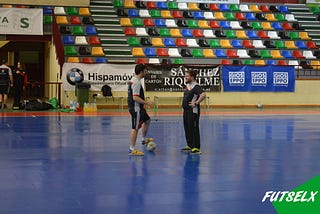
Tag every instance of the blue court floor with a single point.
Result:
(80, 164)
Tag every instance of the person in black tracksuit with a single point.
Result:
(19, 75)
(192, 98)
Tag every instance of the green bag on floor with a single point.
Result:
(54, 102)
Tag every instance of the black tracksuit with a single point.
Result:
(191, 115)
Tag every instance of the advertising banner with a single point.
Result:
(97, 75)
(21, 21)
(258, 78)
(171, 77)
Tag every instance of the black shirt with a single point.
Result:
(191, 94)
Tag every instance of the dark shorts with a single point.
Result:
(4, 89)
(138, 118)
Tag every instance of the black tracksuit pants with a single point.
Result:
(191, 128)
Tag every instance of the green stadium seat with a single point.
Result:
(265, 54)
(197, 53)
(192, 23)
(172, 5)
(315, 10)
(279, 44)
(133, 41)
(234, 7)
(249, 62)
(215, 43)
(70, 51)
(229, 16)
(47, 19)
(118, 3)
(164, 32)
(77, 30)
(155, 13)
(231, 34)
(137, 22)
(280, 17)
(178, 61)
(72, 11)
(294, 35)
(256, 26)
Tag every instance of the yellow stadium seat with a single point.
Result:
(129, 4)
(219, 16)
(290, 45)
(97, 51)
(125, 22)
(193, 6)
(175, 32)
(62, 20)
(84, 11)
(157, 42)
(208, 53)
(137, 52)
(225, 43)
(266, 26)
(203, 24)
(7, 6)
(270, 17)
(166, 14)
(73, 59)
(259, 62)
(276, 54)
(254, 8)
(304, 35)
(315, 64)
(241, 34)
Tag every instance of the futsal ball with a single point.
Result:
(259, 105)
(149, 140)
(151, 146)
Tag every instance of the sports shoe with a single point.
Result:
(186, 149)
(195, 151)
(136, 152)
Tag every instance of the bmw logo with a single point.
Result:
(74, 76)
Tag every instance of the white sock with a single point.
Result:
(131, 148)
(143, 139)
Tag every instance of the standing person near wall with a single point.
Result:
(192, 98)
(136, 102)
(20, 80)
(6, 81)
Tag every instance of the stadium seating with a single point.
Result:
(250, 33)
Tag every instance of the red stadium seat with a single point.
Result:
(197, 33)
(75, 20)
(141, 61)
(214, 24)
(148, 22)
(162, 52)
(247, 44)
(94, 40)
(129, 31)
(151, 5)
(214, 7)
(263, 34)
(282, 62)
(232, 53)
(87, 60)
(176, 14)
(181, 42)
